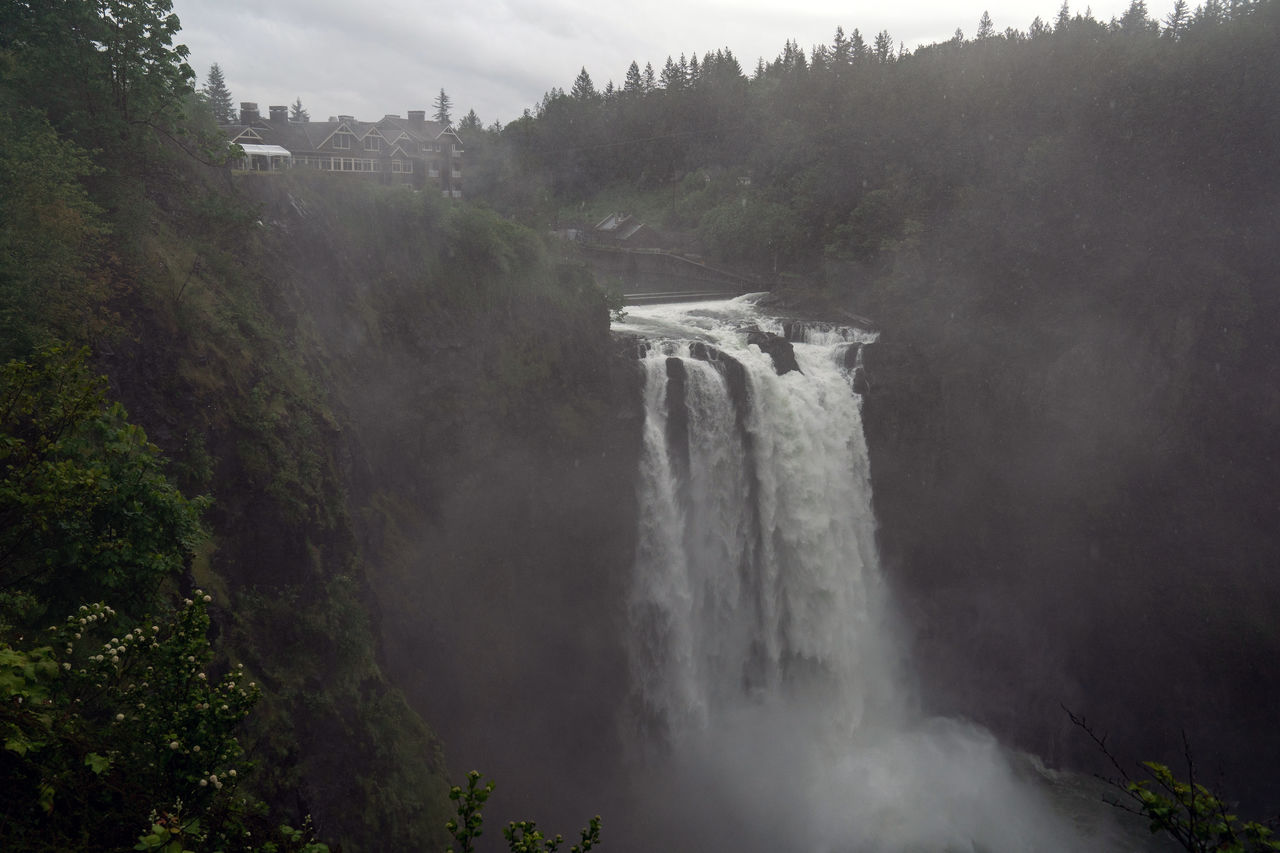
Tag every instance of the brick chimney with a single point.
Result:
(280, 114)
(248, 112)
(417, 115)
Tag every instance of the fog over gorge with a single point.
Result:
(865, 442)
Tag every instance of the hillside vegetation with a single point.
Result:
(272, 344)
(1067, 236)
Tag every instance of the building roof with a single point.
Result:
(269, 150)
(306, 136)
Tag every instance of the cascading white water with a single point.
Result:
(770, 695)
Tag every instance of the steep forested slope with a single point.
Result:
(325, 361)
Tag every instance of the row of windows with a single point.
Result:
(374, 143)
(351, 164)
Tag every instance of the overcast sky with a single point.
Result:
(498, 57)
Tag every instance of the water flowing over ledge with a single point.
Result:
(770, 699)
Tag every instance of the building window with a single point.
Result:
(372, 143)
(342, 140)
(457, 173)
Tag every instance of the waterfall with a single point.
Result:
(771, 706)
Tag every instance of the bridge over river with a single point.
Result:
(656, 275)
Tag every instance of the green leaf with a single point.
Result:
(97, 763)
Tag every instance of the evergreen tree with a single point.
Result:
(840, 48)
(650, 79)
(297, 113)
(857, 46)
(218, 97)
(1064, 18)
(633, 82)
(583, 89)
(672, 78)
(470, 122)
(1135, 20)
(986, 29)
(442, 105)
(1176, 22)
(883, 48)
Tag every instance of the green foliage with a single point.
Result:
(525, 837)
(754, 231)
(1186, 811)
(468, 826)
(102, 724)
(50, 235)
(521, 836)
(85, 507)
(103, 71)
(1194, 816)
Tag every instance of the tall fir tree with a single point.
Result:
(633, 83)
(297, 113)
(1176, 22)
(986, 29)
(218, 96)
(442, 105)
(583, 89)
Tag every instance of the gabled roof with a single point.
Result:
(408, 136)
(335, 128)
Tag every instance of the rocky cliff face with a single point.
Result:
(1070, 509)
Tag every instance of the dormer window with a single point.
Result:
(342, 140)
(372, 143)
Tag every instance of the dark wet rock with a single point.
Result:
(778, 348)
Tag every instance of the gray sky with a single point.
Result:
(499, 56)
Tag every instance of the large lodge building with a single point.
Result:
(413, 151)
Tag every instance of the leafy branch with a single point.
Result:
(1187, 811)
(521, 836)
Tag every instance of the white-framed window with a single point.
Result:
(342, 140)
(457, 173)
(372, 143)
